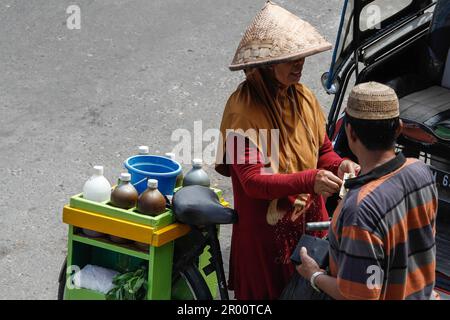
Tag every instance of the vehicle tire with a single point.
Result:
(62, 280)
(189, 284)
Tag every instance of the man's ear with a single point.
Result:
(350, 132)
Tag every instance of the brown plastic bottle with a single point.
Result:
(124, 195)
(151, 202)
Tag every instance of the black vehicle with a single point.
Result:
(405, 45)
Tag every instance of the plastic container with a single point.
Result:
(196, 176)
(180, 177)
(97, 189)
(151, 202)
(144, 167)
(125, 194)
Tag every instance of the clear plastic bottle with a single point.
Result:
(97, 189)
(125, 194)
(151, 202)
(196, 176)
(180, 177)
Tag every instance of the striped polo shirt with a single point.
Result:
(382, 234)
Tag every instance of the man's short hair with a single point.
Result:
(375, 135)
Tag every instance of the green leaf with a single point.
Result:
(138, 284)
(129, 286)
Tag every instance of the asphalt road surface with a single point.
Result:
(70, 99)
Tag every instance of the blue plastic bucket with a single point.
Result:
(144, 167)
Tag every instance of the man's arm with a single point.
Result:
(361, 252)
(330, 160)
(329, 285)
(324, 282)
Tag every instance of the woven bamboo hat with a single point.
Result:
(274, 36)
(372, 101)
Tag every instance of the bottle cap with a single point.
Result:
(125, 176)
(197, 163)
(152, 183)
(170, 155)
(98, 170)
(144, 150)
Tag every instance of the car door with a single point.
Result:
(369, 30)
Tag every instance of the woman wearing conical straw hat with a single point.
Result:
(279, 186)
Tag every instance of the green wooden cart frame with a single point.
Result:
(160, 233)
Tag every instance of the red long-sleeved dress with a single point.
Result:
(257, 270)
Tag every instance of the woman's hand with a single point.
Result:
(326, 183)
(348, 166)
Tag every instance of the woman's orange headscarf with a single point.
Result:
(261, 102)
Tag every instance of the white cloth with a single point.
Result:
(95, 278)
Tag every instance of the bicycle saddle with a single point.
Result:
(198, 205)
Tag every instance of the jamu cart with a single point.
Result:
(168, 243)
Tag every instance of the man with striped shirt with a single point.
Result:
(382, 235)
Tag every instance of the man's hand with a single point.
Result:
(308, 266)
(326, 183)
(348, 166)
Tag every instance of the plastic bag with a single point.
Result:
(95, 278)
(298, 288)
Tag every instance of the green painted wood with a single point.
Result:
(105, 244)
(70, 245)
(218, 192)
(211, 279)
(132, 215)
(69, 259)
(160, 272)
(84, 294)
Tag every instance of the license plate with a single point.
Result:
(442, 179)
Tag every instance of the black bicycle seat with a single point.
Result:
(198, 205)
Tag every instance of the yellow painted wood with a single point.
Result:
(225, 203)
(169, 233)
(124, 229)
(108, 225)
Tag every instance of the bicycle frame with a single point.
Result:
(210, 239)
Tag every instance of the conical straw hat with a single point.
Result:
(274, 36)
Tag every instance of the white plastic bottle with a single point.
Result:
(97, 189)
